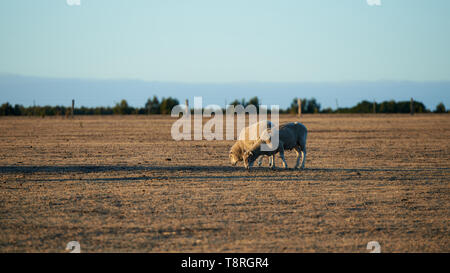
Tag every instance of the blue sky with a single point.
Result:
(212, 41)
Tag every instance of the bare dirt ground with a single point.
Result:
(121, 184)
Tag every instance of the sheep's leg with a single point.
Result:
(303, 157)
(282, 156)
(260, 160)
(299, 153)
(272, 161)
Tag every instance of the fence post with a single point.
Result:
(299, 103)
(374, 107)
(73, 107)
(187, 107)
(412, 106)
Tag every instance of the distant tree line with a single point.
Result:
(390, 107)
(164, 106)
(152, 106)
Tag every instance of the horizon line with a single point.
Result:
(2, 74)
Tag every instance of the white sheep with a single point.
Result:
(247, 139)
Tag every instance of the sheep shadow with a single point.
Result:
(194, 173)
(190, 168)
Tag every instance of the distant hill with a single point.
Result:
(94, 92)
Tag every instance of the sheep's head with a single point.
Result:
(234, 159)
(249, 159)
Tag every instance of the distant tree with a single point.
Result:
(6, 109)
(420, 107)
(98, 111)
(363, 107)
(440, 108)
(312, 106)
(235, 103)
(293, 108)
(254, 101)
(19, 110)
(152, 106)
(404, 107)
(47, 111)
(388, 107)
(122, 108)
(103, 111)
(167, 105)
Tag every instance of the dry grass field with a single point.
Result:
(121, 184)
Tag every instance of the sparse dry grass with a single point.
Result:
(108, 183)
